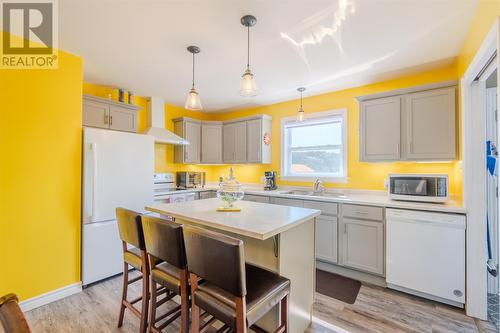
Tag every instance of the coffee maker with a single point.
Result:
(270, 177)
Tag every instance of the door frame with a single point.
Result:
(474, 174)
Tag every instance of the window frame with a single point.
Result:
(312, 118)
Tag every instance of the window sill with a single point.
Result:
(340, 180)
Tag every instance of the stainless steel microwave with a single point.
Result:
(418, 187)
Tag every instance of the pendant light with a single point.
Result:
(300, 114)
(193, 100)
(248, 87)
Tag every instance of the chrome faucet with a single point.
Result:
(318, 186)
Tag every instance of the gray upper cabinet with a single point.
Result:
(244, 140)
(190, 130)
(380, 136)
(105, 113)
(211, 142)
(235, 142)
(412, 124)
(430, 125)
(254, 145)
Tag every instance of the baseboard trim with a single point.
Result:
(51, 296)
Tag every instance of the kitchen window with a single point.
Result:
(315, 147)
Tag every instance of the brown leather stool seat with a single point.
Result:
(133, 257)
(168, 276)
(265, 289)
(168, 268)
(233, 292)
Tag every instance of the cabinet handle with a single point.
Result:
(111, 120)
(345, 228)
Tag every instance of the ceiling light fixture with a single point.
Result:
(193, 100)
(300, 114)
(248, 87)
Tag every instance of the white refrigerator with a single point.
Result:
(118, 171)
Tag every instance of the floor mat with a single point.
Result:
(342, 288)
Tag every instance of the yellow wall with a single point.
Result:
(486, 14)
(40, 141)
(360, 175)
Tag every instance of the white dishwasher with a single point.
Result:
(425, 254)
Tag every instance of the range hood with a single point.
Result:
(156, 121)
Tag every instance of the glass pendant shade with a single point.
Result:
(193, 100)
(300, 115)
(248, 87)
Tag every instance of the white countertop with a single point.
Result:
(256, 220)
(360, 197)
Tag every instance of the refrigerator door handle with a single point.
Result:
(93, 147)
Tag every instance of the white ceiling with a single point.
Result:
(322, 45)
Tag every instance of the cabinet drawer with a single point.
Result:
(363, 212)
(327, 208)
(288, 202)
(256, 198)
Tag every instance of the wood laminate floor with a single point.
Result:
(375, 310)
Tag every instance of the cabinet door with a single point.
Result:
(228, 145)
(431, 125)
(122, 119)
(254, 141)
(380, 125)
(207, 195)
(192, 134)
(288, 202)
(211, 143)
(362, 245)
(326, 238)
(95, 114)
(256, 198)
(240, 142)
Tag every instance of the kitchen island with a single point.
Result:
(278, 238)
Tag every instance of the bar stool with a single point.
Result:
(11, 316)
(165, 242)
(235, 293)
(130, 228)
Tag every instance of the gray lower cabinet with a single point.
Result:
(362, 245)
(207, 195)
(105, 113)
(287, 202)
(256, 198)
(326, 238)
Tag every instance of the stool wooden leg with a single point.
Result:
(145, 294)
(184, 301)
(195, 310)
(241, 315)
(284, 313)
(124, 294)
(152, 312)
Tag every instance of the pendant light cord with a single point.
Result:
(248, 47)
(193, 72)
(301, 100)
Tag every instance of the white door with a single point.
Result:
(118, 171)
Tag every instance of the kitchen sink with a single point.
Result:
(314, 194)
